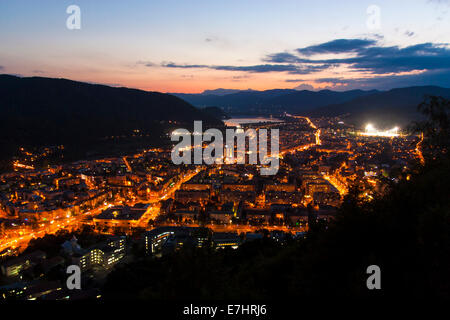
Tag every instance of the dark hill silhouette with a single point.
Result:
(393, 107)
(216, 112)
(44, 111)
(272, 101)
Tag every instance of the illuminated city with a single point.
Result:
(235, 159)
(144, 192)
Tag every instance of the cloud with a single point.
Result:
(373, 58)
(146, 63)
(261, 68)
(434, 77)
(239, 78)
(379, 59)
(376, 64)
(337, 46)
(182, 66)
(283, 57)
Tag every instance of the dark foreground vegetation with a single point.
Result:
(405, 231)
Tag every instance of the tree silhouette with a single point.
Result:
(436, 128)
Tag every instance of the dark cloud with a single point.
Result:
(261, 68)
(294, 80)
(434, 77)
(337, 46)
(366, 55)
(394, 59)
(239, 78)
(1, 67)
(374, 58)
(409, 33)
(283, 57)
(182, 66)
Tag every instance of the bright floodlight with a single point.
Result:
(371, 131)
(370, 127)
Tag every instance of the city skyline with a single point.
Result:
(197, 46)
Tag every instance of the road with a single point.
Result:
(73, 223)
(153, 212)
(127, 164)
(51, 227)
(419, 151)
(304, 147)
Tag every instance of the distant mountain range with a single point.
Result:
(222, 92)
(270, 101)
(393, 107)
(43, 111)
(241, 102)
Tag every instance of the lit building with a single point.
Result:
(175, 237)
(223, 240)
(106, 254)
(15, 266)
(154, 239)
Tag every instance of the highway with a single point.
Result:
(304, 147)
